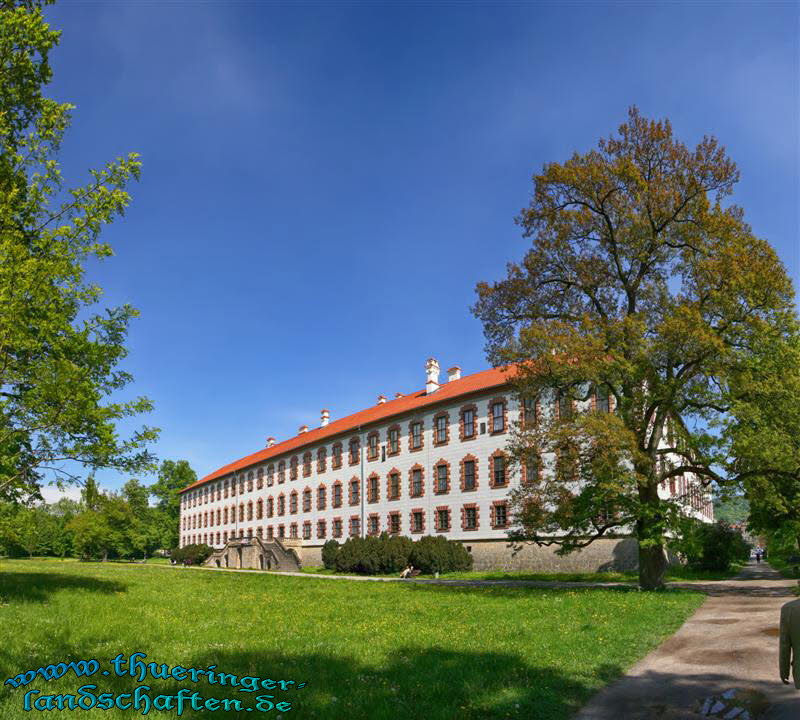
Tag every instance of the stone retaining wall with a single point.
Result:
(604, 555)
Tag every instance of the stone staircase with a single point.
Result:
(256, 554)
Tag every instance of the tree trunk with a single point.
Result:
(652, 566)
(105, 555)
(650, 533)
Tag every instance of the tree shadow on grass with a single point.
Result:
(429, 683)
(413, 684)
(39, 586)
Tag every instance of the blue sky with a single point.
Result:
(324, 183)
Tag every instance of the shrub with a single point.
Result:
(329, 552)
(432, 554)
(192, 554)
(359, 555)
(391, 553)
(712, 547)
(395, 552)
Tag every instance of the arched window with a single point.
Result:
(293, 502)
(322, 459)
(373, 440)
(336, 501)
(260, 478)
(497, 416)
(293, 468)
(259, 509)
(373, 488)
(354, 491)
(321, 496)
(282, 471)
(306, 464)
(354, 447)
(307, 500)
(441, 429)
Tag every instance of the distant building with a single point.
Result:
(430, 463)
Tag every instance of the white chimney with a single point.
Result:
(303, 429)
(324, 418)
(454, 373)
(432, 376)
(270, 441)
(381, 399)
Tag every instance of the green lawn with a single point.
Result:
(365, 649)
(674, 573)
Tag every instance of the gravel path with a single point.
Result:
(730, 642)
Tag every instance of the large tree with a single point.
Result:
(644, 283)
(60, 379)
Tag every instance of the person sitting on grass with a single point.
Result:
(406, 573)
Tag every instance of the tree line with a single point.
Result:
(135, 522)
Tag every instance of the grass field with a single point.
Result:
(365, 650)
(674, 573)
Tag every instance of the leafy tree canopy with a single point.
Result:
(173, 476)
(59, 357)
(644, 283)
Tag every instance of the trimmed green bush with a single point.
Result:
(386, 554)
(191, 554)
(432, 554)
(329, 552)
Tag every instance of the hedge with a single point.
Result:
(387, 554)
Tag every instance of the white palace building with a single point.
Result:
(431, 462)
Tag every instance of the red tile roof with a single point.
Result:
(494, 377)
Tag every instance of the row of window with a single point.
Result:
(468, 424)
(469, 427)
(468, 471)
(442, 521)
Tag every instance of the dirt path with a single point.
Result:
(730, 642)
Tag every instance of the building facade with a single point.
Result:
(428, 463)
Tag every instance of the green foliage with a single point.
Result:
(432, 554)
(173, 476)
(329, 552)
(766, 437)
(644, 283)
(195, 554)
(91, 535)
(733, 510)
(388, 554)
(60, 357)
(40, 530)
(103, 525)
(711, 547)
